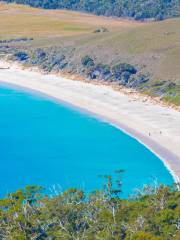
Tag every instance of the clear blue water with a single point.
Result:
(46, 143)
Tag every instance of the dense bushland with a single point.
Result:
(137, 9)
(123, 74)
(152, 214)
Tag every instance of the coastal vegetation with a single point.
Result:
(151, 214)
(139, 10)
(95, 48)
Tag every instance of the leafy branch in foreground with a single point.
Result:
(152, 214)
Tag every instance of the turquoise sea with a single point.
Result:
(46, 143)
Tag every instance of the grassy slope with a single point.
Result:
(153, 48)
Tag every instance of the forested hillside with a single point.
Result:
(137, 9)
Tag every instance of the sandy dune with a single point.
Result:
(156, 126)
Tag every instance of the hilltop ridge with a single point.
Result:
(139, 9)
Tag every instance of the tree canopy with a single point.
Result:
(152, 214)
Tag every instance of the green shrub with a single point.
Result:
(87, 61)
(124, 67)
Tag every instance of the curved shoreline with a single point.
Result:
(170, 159)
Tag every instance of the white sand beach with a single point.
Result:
(154, 125)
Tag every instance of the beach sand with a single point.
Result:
(154, 125)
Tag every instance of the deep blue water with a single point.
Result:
(46, 143)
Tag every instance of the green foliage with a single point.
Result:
(51, 59)
(145, 236)
(153, 214)
(87, 61)
(124, 67)
(167, 90)
(139, 9)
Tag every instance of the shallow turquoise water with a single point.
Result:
(46, 143)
